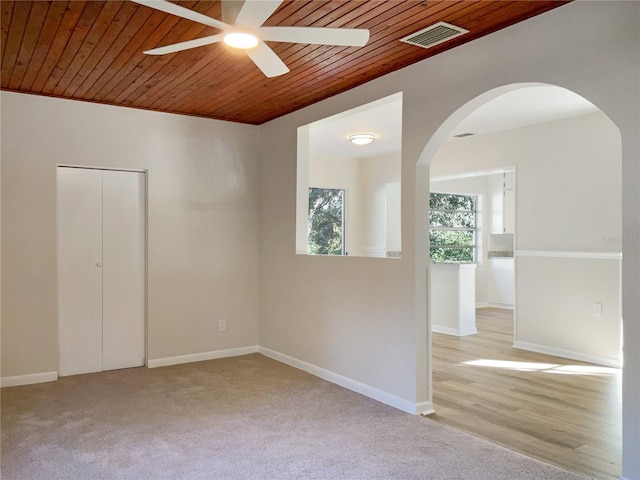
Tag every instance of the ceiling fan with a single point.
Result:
(246, 32)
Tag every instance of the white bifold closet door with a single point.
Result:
(101, 270)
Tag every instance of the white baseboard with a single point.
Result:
(482, 304)
(349, 384)
(425, 408)
(202, 356)
(453, 331)
(158, 362)
(422, 408)
(558, 352)
(28, 379)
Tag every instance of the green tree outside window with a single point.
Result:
(326, 221)
(453, 230)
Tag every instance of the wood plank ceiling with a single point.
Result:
(92, 51)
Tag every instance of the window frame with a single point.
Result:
(475, 230)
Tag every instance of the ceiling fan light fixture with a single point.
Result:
(362, 138)
(247, 32)
(241, 40)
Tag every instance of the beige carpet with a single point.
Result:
(238, 418)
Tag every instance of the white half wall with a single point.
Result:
(452, 299)
(554, 306)
(202, 223)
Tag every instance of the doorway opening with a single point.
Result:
(556, 217)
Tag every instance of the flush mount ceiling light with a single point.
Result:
(362, 138)
(242, 40)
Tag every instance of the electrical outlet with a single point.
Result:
(222, 325)
(597, 309)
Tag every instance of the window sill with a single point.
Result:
(455, 263)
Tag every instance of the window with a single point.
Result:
(453, 228)
(326, 221)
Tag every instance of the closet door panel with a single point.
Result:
(79, 270)
(123, 305)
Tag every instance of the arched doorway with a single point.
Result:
(559, 250)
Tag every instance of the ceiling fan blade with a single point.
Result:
(267, 60)
(182, 12)
(255, 12)
(178, 47)
(350, 37)
(230, 10)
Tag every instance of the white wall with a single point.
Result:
(554, 307)
(393, 208)
(375, 173)
(366, 319)
(569, 196)
(572, 163)
(473, 186)
(202, 223)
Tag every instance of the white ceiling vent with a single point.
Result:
(434, 35)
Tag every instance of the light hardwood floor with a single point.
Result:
(561, 411)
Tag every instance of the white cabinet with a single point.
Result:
(502, 192)
(101, 270)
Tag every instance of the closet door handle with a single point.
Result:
(99, 264)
